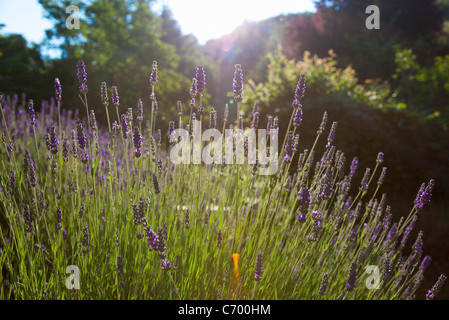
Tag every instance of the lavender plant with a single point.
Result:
(90, 199)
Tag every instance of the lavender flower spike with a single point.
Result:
(58, 90)
(299, 92)
(431, 294)
(200, 79)
(238, 83)
(82, 76)
(115, 97)
(153, 75)
(258, 272)
(137, 140)
(323, 285)
(350, 285)
(30, 111)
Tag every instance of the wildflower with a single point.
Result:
(219, 239)
(213, 118)
(82, 141)
(304, 201)
(297, 117)
(82, 77)
(299, 92)
(27, 219)
(432, 293)
(382, 176)
(425, 262)
(120, 267)
(165, 265)
(364, 183)
(323, 286)
(408, 231)
(58, 90)
(51, 140)
(323, 124)
(187, 219)
(238, 83)
(104, 94)
(331, 137)
(258, 272)
(380, 157)
(153, 75)
(12, 184)
(353, 167)
(350, 285)
(115, 98)
(84, 157)
(117, 238)
(200, 79)
(193, 92)
(86, 240)
(58, 217)
(31, 113)
(156, 184)
(65, 148)
(125, 126)
(137, 140)
(200, 110)
(82, 210)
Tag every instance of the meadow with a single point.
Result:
(101, 212)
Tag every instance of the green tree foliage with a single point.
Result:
(425, 89)
(119, 40)
(340, 25)
(21, 67)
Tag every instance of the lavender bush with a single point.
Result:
(109, 201)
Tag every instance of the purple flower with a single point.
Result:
(354, 164)
(64, 234)
(380, 157)
(323, 124)
(331, 137)
(139, 111)
(300, 88)
(350, 285)
(200, 79)
(58, 89)
(82, 76)
(258, 272)
(137, 140)
(125, 127)
(425, 262)
(304, 201)
(165, 265)
(200, 110)
(364, 183)
(104, 94)
(65, 148)
(51, 140)
(297, 117)
(58, 217)
(432, 293)
(80, 135)
(323, 285)
(153, 75)
(115, 97)
(238, 83)
(84, 157)
(424, 194)
(30, 111)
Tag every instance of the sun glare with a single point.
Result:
(207, 19)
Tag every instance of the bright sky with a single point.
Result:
(205, 19)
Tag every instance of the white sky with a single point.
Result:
(205, 19)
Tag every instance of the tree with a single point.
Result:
(21, 67)
(118, 41)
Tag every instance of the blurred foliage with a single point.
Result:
(424, 89)
(21, 67)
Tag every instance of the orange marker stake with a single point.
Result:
(235, 284)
